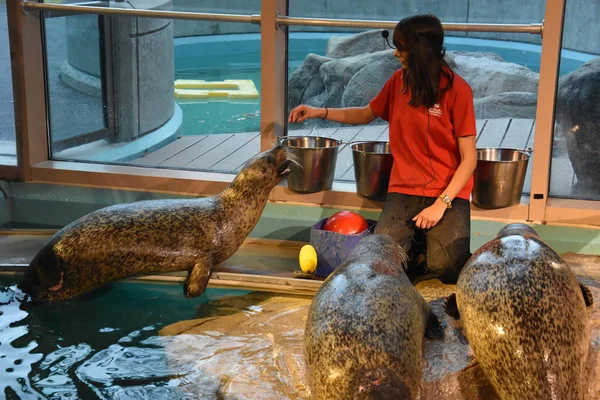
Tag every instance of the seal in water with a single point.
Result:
(365, 327)
(155, 236)
(524, 315)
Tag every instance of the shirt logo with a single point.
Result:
(435, 110)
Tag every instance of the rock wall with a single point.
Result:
(351, 74)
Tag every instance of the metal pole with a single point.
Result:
(463, 27)
(113, 11)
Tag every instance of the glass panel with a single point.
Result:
(575, 168)
(73, 75)
(192, 28)
(7, 117)
(348, 67)
(186, 100)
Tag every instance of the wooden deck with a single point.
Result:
(228, 152)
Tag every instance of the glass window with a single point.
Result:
(7, 116)
(142, 91)
(575, 165)
(74, 81)
(184, 28)
(348, 67)
(456, 11)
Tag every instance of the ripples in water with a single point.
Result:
(107, 346)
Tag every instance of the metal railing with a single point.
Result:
(132, 12)
(448, 26)
(81, 8)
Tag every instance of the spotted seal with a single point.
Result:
(524, 315)
(365, 327)
(155, 236)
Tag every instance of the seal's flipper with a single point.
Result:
(434, 329)
(587, 295)
(451, 307)
(197, 279)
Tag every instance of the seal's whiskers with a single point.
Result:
(293, 159)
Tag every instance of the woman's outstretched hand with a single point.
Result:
(304, 112)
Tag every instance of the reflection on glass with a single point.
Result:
(165, 95)
(73, 77)
(335, 68)
(7, 118)
(184, 28)
(575, 168)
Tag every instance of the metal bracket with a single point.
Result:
(277, 25)
(23, 9)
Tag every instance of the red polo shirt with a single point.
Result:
(424, 162)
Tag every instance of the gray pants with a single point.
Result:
(447, 244)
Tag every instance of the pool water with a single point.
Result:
(102, 345)
(202, 117)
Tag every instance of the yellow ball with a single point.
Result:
(308, 259)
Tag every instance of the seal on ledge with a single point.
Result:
(524, 315)
(364, 331)
(155, 236)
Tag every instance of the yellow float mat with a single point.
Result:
(230, 88)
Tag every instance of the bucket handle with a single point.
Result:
(366, 140)
(528, 150)
(282, 138)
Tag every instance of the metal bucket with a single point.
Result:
(317, 157)
(372, 167)
(499, 177)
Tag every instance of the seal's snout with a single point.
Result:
(40, 281)
(284, 169)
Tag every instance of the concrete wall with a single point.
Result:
(582, 28)
(142, 64)
(48, 205)
(144, 74)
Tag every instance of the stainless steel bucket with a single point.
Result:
(499, 177)
(372, 167)
(317, 157)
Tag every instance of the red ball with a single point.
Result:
(346, 222)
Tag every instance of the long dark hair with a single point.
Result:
(422, 37)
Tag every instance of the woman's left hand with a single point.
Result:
(430, 216)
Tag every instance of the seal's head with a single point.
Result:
(43, 281)
(384, 246)
(265, 169)
(517, 229)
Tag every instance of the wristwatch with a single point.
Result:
(446, 200)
